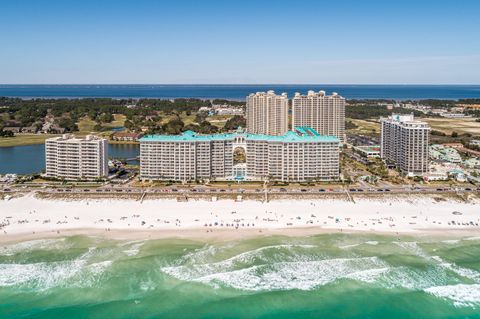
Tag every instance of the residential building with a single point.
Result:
(444, 153)
(12, 129)
(267, 113)
(74, 158)
(404, 141)
(454, 115)
(30, 129)
(324, 113)
(300, 155)
(475, 143)
(369, 151)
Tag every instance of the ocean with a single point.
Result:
(324, 276)
(239, 92)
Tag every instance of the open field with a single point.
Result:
(186, 119)
(461, 126)
(86, 125)
(219, 120)
(25, 139)
(365, 126)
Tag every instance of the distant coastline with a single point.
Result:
(237, 92)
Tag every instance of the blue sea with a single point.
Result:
(238, 92)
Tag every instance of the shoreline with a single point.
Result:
(222, 235)
(33, 217)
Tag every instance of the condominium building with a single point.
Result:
(267, 113)
(324, 113)
(73, 158)
(299, 155)
(404, 142)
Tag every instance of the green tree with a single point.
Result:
(234, 123)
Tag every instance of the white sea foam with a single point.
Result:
(303, 275)
(372, 242)
(79, 272)
(411, 278)
(369, 275)
(348, 246)
(462, 295)
(40, 275)
(451, 241)
(413, 247)
(464, 272)
(206, 254)
(57, 243)
(134, 249)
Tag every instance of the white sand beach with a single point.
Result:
(32, 217)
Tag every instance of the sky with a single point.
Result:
(239, 42)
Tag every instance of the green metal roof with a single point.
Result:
(301, 134)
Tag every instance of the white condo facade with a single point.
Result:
(267, 113)
(73, 158)
(324, 113)
(404, 141)
(300, 155)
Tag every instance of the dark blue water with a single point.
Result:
(30, 159)
(238, 92)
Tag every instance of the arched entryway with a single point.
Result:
(239, 163)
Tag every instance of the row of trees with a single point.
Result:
(67, 112)
(364, 112)
(6, 133)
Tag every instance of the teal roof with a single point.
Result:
(301, 134)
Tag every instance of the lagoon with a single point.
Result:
(28, 159)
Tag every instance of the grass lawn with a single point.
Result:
(460, 125)
(25, 139)
(86, 125)
(365, 126)
(119, 121)
(219, 120)
(186, 119)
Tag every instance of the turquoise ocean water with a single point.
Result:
(325, 276)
